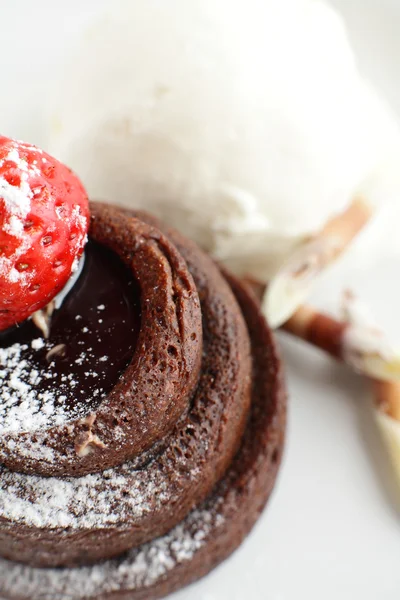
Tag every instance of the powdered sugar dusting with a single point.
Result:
(22, 406)
(31, 148)
(80, 222)
(101, 500)
(140, 568)
(17, 200)
(38, 344)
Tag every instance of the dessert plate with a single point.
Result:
(331, 529)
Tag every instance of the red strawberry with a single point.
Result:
(44, 218)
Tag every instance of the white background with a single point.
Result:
(331, 530)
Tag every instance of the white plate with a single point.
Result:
(331, 530)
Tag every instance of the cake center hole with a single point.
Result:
(92, 339)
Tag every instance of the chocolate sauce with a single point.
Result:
(92, 337)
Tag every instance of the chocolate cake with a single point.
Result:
(163, 471)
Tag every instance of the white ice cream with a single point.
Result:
(244, 123)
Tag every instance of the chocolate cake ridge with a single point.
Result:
(157, 386)
(73, 521)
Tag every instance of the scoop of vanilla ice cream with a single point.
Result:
(244, 124)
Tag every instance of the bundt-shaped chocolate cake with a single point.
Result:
(148, 435)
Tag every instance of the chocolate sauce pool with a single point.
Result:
(92, 337)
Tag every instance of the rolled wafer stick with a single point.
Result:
(291, 285)
(362, 347)
(366, 351)
(387, 414)
(357, 342)
(365, 346)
